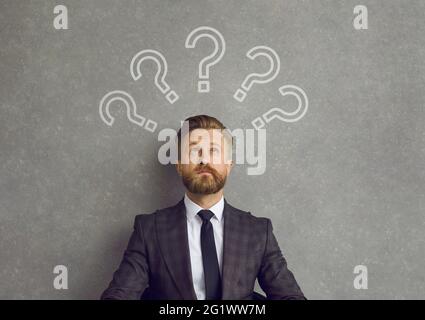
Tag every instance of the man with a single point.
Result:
(202, 247)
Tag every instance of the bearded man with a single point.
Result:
(202, 248)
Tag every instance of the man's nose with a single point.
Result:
(204, 158)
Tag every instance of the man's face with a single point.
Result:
(204, 164)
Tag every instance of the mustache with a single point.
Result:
(206, 169)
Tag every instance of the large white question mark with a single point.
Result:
(210, 60)
(266, 77)
(130, 104)
(279, 113)
(158, 58)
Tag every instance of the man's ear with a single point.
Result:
(231, 164)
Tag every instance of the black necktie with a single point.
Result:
(209, 257)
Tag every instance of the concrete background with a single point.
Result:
(344, 186)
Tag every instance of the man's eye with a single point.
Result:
(194, 150)
(215, 150)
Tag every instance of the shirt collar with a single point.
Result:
(192, 208)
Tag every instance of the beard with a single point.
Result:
(204, 184)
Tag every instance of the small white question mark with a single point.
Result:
(210, 60)
(122, 96)
(266, 77)
(279, 113)
(156, 56)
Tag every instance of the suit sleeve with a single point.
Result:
(132, 276)
(276, 280)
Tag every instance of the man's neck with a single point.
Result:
(205, 201)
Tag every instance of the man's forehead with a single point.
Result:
(198, 135)
(212, 143)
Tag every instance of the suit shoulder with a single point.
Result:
(249, 216)
(145, 217)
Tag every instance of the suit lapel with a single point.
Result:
(174, 245)
(231, 250)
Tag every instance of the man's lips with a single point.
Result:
(204, 171)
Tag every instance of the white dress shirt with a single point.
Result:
(194, 224)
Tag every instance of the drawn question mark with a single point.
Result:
(158, 58)
(122, 96)
(266, 77)
(279, 113)
(210, 60)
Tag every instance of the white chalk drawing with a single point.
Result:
(159, 59)
(210, 60)
(279, 113)
(132, 114)
(262, 78)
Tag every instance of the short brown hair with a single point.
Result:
(206, 122)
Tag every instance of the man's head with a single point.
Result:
(204, 154)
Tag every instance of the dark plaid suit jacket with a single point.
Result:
(157, 258)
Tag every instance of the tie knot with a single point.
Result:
(205, 215)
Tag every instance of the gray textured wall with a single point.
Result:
(344, 185)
